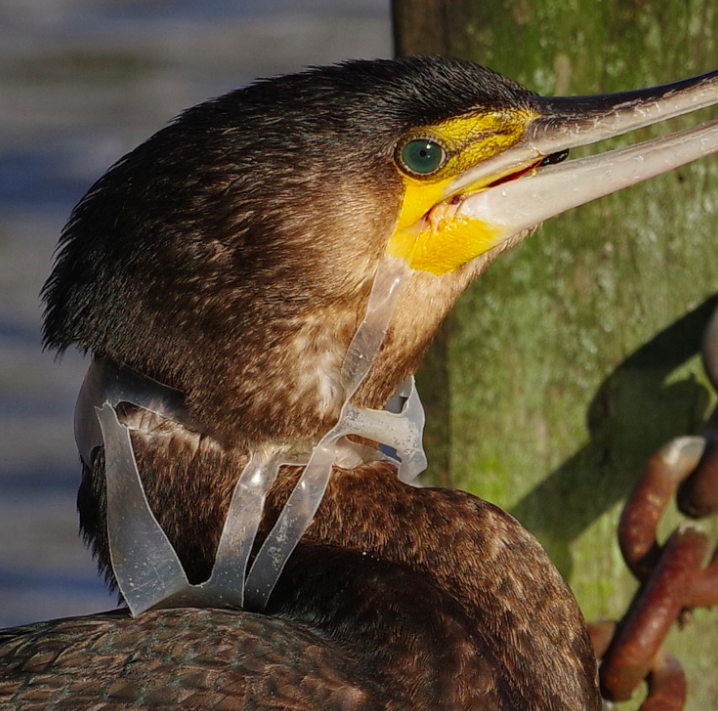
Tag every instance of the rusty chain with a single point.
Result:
(673, 578)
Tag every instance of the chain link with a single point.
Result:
(673, 576)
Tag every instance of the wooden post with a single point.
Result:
(563, 368)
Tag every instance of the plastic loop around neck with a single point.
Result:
(146, 567)
(309, 491)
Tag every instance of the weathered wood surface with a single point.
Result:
(561, 371)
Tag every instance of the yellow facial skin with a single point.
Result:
(428, 235)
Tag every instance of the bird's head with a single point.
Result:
(231, 255)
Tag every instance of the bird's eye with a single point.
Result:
(422, 156)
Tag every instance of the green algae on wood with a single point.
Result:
(573, 359)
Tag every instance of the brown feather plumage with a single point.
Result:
(231, 257)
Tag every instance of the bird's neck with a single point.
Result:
(489, 577)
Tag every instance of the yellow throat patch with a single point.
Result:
(428, 234)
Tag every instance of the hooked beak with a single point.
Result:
(512, 206)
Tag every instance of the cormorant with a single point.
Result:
(225, 272)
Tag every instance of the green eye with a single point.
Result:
(422, 156)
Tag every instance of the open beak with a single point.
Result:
(541, 190)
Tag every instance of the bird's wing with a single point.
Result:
(184, 658)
